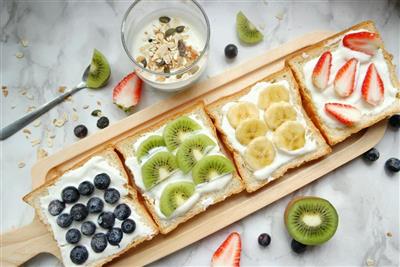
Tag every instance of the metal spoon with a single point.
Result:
(28, 118)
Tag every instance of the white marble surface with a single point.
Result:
(61, 36)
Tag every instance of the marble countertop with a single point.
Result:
(57, 40)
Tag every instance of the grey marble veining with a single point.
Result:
(61, 36)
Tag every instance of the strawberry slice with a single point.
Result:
(365, 42)
(322, 70)
(127, 93)
(345, 113)
(345, 78)
(372, 89)
(228, 254)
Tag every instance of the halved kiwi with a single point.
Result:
(148, 144)
(157, 168)
(192, 150)
(311, 220)
(174, 195)
(178, 130)
(248, 33)
(211, 167)
(99, 71)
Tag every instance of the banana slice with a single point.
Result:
(278, 113)
(241, 111)
(290, 136)
(272, 94)
(259, 153)
(249, 129)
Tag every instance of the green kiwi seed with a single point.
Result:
(174, 195)
(158, 168)
(248, 33)
(210, 167)
(149, 144)
(99, 71)
(178, 130)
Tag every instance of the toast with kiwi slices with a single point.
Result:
(179, 167)
(267, 130)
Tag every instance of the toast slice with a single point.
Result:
(107, 162)
(229, 184)
(256, 175)
(314, 99)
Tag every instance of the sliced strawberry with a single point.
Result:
(127, 93)
(345, 113)
(228, 254)
(322, 70)
(372, 89)
(345, 78)
(365, 42)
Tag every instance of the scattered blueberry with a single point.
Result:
(298, 247)
(106, 219)
(114, 236)
(88, 228)
(73, 236)
(95, 205)
(80, 131)
(122, 211)
(231, 51)
(128, 226)
(70, 194)
(79, 255)
(86, 188)
(103, 122)
(99, 242)
(394, 121)
(102, 181)
(56, 207)
(264, 240)
(393, 165)
(371, 155)
(111, 195)
(79, 212)
(64, 220)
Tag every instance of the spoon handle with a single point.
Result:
(28, 118)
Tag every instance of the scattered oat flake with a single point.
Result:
(61, 89)
(24, 42)
(370, 262)
(74, 109)
(35, 142)
(21, 164)
(41, 153)
(280, 15)
(50, 142)
(58, 122)
(69, 99)
(30, 108)
(389, 234)
(19, 55)
(26, 131)
(75, 116)
(29, 96)
(23, 91)
(37, 123)
(5, 90)
(85, 107)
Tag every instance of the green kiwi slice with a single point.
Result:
(174, 195)
(248, 33)
(311, 220)
(99, 71)
(192, 150)
(157, 168)
(148, 144)
(211, 167)
(178, 130)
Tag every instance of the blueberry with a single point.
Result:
(114, 236)
(79, 255)
(80, 131)
(70, 194)
(393, 165)
(99, 242)
(298, 247)
(79, 212)
(95, 205)
(103, 122)
(88, 228)
(86, 188)
(371, 155)
(56, 207)
(231, 51)
(264, 240)
(73, 236)
(102, 181)
(122, 211)
(111, 195)
(64, 220)
(106, 219)
(128, 226)
(394, 121)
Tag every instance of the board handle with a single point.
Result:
(20, 245)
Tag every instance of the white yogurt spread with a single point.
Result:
(87, 172)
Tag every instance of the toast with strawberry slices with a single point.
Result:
(347, 81)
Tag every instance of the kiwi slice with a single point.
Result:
(148, 144)
(174, 195)
(192, 150)
(211, 167)
(178, 130)
(157, 168)
(248, 33)
(99, 71)
(311, 220)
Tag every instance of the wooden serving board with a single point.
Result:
(22, 244)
